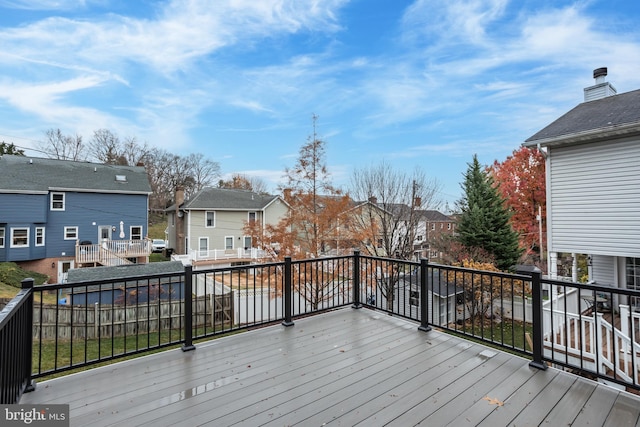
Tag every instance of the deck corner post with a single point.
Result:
(287, 292)
(356, 280)
(424, 301)
(536, 291)
(188, 309)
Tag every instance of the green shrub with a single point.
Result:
(12, 275)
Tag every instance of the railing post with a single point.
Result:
(287, 292)
(356, 280)
(28, 340)
(536, 290)
(188, 309)
(424, 300)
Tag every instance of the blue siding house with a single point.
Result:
(59, 214)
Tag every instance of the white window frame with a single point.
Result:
(206, 219)
(13, 237)
(203, 252)
(2, 231)
(226, 239)
(40, 235)
(244, 241)
(135, 236)
(63, 201)
(433, 225)
(448, 226)
(255, 216)
(68, 229)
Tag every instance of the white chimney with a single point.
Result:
(601, 89)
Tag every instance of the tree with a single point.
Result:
(315, 204)
(63, 147)
(484, 219)
(391, 223)
(244, 182)
(167, 171)
(106, 147)
(520, 179)
(388, 223)
(10, 149)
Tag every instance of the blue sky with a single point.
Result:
(418, 83)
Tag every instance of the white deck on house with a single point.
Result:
(344, 368)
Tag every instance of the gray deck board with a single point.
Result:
(344, 368)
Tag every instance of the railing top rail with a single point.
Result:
(16, 302)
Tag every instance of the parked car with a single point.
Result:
(158, 245)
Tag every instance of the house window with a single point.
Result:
(57, 201)
(228, 242)
(414, 298)
(70, 233)
(441, 226)
(433, 226)
(19, 237)
(633, 280)
(419, 238)
(203, 246)
(449, 226)
(252, 217)
(210, 219)
(39, 236)
(135, 232)
(2, 237)
(247, 242)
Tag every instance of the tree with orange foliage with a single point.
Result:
(520, 179)
(484, 291)
(312, 228)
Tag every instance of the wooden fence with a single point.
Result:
(105, 321)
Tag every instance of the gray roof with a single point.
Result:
(90, 274)
(34, 174)
(607, 114)
(225, 198)
(431, 215)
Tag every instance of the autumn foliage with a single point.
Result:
(520, 179)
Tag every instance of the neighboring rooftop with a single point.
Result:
(39, 175)
(225, 198)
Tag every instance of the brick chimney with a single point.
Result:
(601, 89)
(179, 243)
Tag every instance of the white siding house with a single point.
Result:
(593, 183)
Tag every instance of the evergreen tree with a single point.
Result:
(484, 220)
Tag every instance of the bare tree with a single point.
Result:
(166, 171)
(63, 147)
(391, 219)
(105, 147)
(240, 181)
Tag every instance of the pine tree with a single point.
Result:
(484, 220)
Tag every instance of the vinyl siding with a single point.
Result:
(594, 201)
(603, 269)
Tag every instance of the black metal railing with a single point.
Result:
(15, 345)
(587, 328)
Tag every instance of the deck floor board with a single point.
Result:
(342, 368)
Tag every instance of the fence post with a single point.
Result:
(287, 292)
(188, 309)
(424, 300)
(356, 280)
(30, 385)
(536, 291)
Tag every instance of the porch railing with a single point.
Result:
(585, 328)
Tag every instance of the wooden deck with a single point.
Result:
(344, 368)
